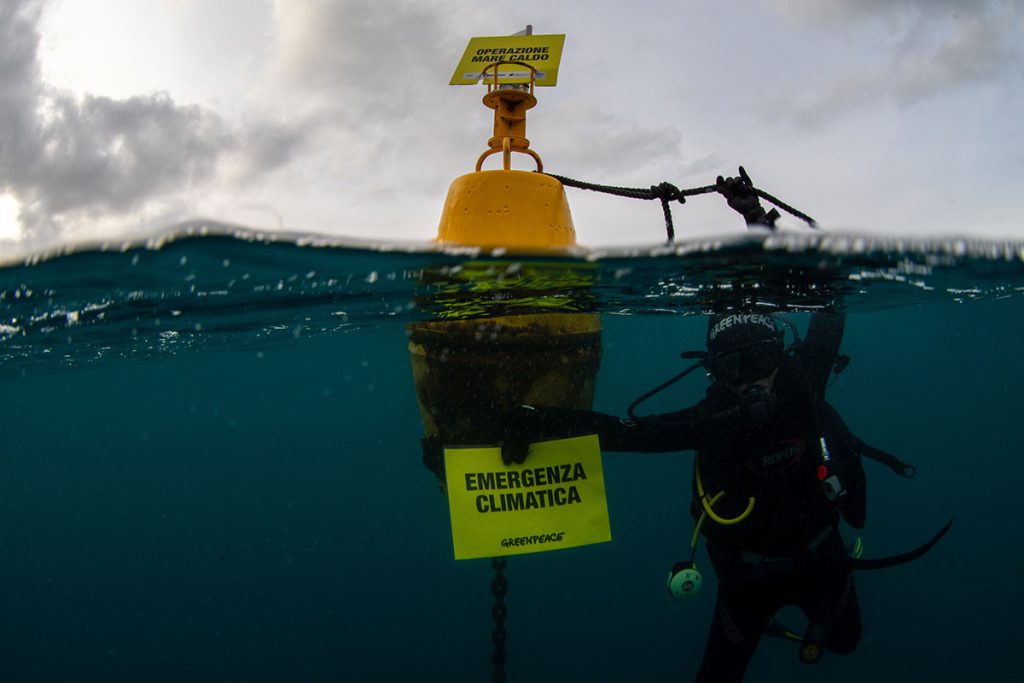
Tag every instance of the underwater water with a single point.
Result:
(212, 469)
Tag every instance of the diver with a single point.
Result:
(775, 470)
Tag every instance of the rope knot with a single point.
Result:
(667, 192)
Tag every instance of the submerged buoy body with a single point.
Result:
(470, 374)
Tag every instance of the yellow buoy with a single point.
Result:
(471, 370)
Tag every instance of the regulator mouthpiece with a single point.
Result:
(758, 403)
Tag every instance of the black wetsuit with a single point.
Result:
(788, 551)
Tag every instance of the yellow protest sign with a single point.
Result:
(554, 500)
(541, 52)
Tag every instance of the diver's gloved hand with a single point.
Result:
(741, 196)
(519, 429)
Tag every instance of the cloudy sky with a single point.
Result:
(120, 117)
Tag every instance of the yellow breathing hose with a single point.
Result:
(707, 505)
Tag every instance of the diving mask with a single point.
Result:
(747, 363)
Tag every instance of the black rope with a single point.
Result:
(787, 208)
(499, 587)
(739, 192)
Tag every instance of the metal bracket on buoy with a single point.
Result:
(510, 103)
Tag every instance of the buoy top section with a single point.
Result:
(508, 208)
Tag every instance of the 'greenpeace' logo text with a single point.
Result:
(537, 539)
(741, 319)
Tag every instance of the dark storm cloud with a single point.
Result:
(268, 146)
(372, 84)
(113, 153)
(19, 73)
(845, 11)
(621, 147)
(19, 43)
(70, 157)
(933, 47)
(363, 58)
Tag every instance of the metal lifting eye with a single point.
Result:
(510, 101)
